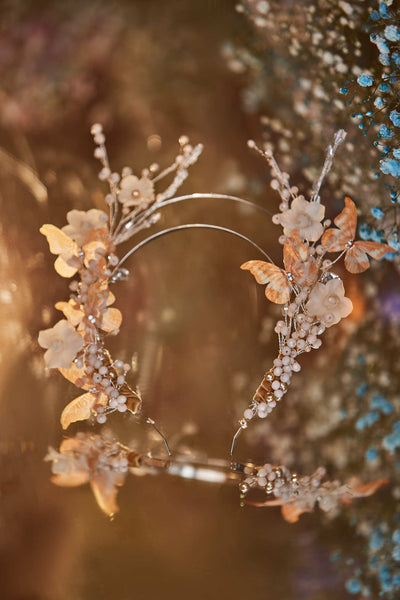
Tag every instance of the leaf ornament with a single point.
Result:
(300, 268)
(67, 263)
(338, 240)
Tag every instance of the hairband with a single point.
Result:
(312, 297)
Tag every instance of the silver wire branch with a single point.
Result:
(337, 140)
(154, 426)
(185, 227)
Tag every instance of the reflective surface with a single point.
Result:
(199, 330)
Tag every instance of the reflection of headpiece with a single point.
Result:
(311, 295)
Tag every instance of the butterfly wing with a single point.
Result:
(299, 263)
(356, 259)
(278, 288)
(335, 240)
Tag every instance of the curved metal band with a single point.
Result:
(190, 226)
(212, 196)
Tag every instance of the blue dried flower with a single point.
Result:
(365, 80)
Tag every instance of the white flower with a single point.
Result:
(303, 218)
(135, 191)
(63, 343)
(82, 222)
(328, 303)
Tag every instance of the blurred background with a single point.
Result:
(197, 329)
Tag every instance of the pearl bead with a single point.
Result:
(296, 367)
(278, 394)
(248, 414)
(262, 410)
(101, 419)
(291, 343)
(103, 370)
(317, 344)
(276, 219)
(285, 377)
(311, 339)
(121, 399)
(277, 362)
(286, 360)
(275, 385)
(120, 380)
(277, 371)
(121, 407)
(300, 344)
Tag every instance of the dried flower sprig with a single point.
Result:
(86, 248)
(313, 297)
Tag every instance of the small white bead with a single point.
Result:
(103, 370)
(96, 128)
(262, 481)
(262, 410)
(285, 377)
(277, 362)
(296, 367)
(272, 404)
(121, 407)
(276, 219)
(101, 419)
(121, 399)
(120, 380)
(248, 414)
(317, 344)
(285, 351)
(291, 343)
(286, 361)
(277, 371)
(300, 344)
(311, 339)
(99, 138)
(275, 385)
(113, 403)
(287, 368)
(278, 394)
(104, 174)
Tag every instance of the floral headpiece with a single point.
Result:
(312, 298)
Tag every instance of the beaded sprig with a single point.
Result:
(311, 294)
(86, 249)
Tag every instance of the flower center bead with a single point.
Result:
(135, 194)
(332, 301)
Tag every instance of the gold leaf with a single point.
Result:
(112, 319)
(78, 409)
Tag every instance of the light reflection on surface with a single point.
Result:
(190, 316)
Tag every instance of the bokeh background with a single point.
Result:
(198, 329)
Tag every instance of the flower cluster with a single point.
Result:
(86, 251)
(297, 495)
(312, 294)
(99, 460)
